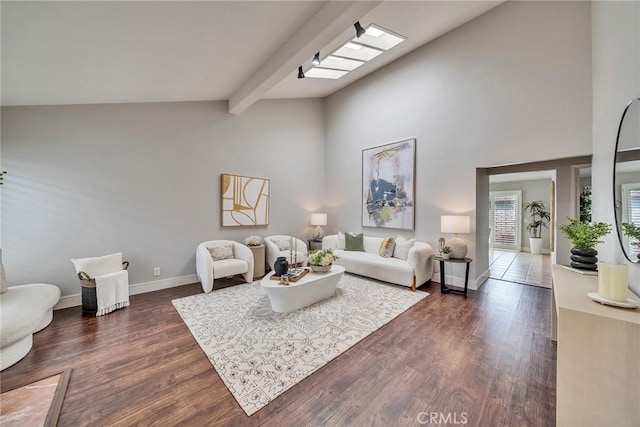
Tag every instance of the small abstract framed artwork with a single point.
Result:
(245, 201)
(388, 185)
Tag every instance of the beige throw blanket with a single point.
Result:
(112, 291)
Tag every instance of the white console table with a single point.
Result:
(598, 366)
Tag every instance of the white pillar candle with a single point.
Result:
(619, 282)
(604, 280)
(612, 281)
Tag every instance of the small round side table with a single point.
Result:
(443, 287)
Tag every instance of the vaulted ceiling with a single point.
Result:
(86, 52)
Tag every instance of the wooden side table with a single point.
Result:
(258, 260)
(444, 288)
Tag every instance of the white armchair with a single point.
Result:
(208, 270)
(279, 245)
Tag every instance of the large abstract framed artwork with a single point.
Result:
(245, 201)
(388, 178)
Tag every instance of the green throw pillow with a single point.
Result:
(354, 243)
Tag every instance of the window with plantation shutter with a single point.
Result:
(631, 214)
(504, 218)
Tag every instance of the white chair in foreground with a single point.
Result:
(222, 258)
(281, 245)
(24, 310)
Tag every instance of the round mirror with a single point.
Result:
(626, 181)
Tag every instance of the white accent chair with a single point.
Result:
(274, 251)
(24, 310)
(208, 270)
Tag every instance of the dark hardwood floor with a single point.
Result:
(486, 360)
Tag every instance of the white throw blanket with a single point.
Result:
(112, 291)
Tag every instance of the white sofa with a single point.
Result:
(416, 270)
(24, 310)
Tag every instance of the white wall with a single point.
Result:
(144, 179)
(511, 86)
(616, 80)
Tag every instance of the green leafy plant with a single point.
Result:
(446, 250)
(539, 217)
(631, 230)
(585, 205)
(584, 235)
(322, 257)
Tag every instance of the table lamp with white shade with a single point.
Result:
(318, 219)
(456, 224)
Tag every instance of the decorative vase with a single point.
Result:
(584, 259)
(321, 268)
(281, 266)
(445, 256)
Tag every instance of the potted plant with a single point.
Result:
(585, 205)
(539, 217)
(632, 231)
(322, 260)
(584, 237)
(446, 252)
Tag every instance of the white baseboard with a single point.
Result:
(473, 285)
(476, 284)
(135, 289)
(68, 301)
(156, 285)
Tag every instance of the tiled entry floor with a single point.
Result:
(520, 267)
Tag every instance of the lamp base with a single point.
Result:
(317, 233)
(458, 248)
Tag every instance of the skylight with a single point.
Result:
(379, 38)
(338, 63)
(324, 73)
(355, 52)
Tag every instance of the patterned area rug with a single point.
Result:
(259, 354)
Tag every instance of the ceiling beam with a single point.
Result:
(331, 21)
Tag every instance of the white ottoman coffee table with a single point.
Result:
(311, 288)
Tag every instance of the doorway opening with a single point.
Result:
(513, 257)
(559, 192)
